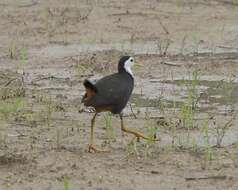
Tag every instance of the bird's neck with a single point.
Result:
(127, 72)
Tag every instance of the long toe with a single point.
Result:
(92, 148)
(138, 136)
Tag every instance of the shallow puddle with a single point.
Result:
(173, 93)
(213, 98)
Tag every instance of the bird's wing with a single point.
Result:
(113, 88)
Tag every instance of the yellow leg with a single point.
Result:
(137, 134)
(92, 147)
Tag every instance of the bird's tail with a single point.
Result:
(90, 85)
(90, 91)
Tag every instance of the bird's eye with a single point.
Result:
(131, 60)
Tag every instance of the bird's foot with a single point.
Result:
(138, 136)
(92, 148)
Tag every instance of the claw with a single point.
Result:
(92, 148)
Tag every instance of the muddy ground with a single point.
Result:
(185, 92)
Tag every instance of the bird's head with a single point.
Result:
(125, 64)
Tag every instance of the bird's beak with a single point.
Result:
(136, 65)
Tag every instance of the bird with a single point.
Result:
(111, 94)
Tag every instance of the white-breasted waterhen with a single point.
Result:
(111, 93)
